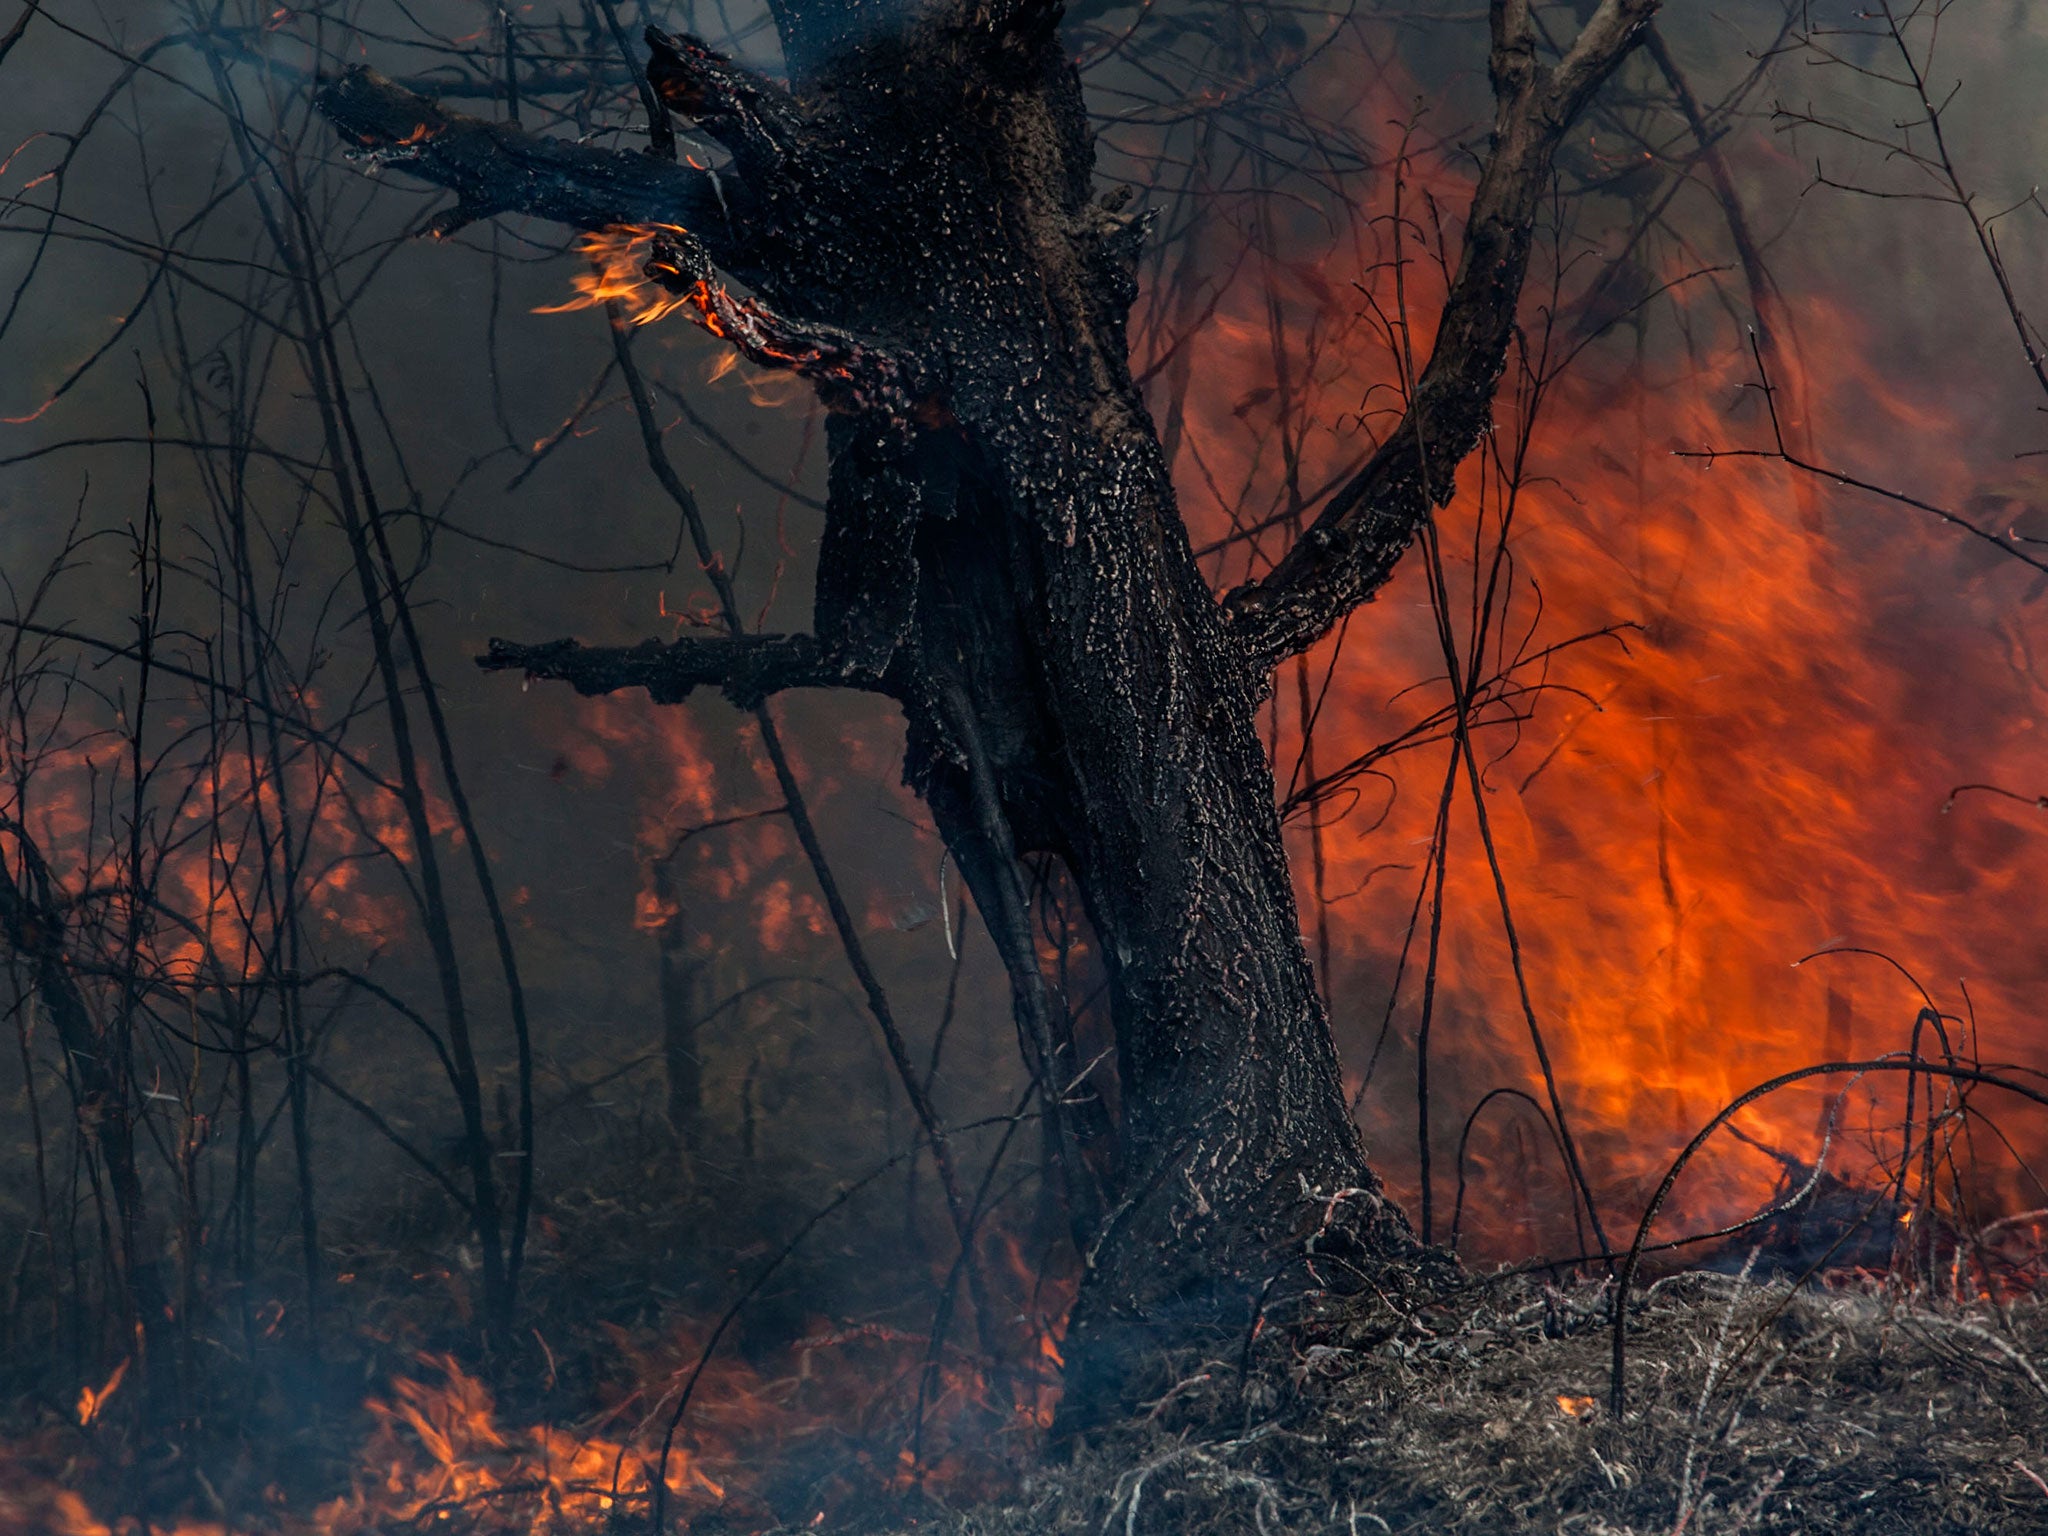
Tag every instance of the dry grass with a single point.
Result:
(1755, 1407)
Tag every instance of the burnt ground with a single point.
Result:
(1756, 1406)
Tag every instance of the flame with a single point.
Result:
(788, 365)
(92, 1399)
(1764, 765)
(617, 274)
(440, 1447)
(704, 848)
(211, 876)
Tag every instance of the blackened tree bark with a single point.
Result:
(1003, 556)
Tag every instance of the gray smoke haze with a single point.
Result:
(167, 169)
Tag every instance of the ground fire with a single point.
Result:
(1023, 768)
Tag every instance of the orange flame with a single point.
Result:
(617, 275)
(1762, 770)
(91, 1400)
(440, 1449)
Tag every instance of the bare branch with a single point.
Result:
(1361, 533)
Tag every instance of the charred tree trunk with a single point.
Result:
(1003, 556)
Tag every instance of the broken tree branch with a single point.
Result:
(746, 668)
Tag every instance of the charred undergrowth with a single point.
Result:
(1857, 1408)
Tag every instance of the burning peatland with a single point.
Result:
(422, 1081)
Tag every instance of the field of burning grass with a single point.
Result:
(825, 1400)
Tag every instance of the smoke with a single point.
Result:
(1754, 761)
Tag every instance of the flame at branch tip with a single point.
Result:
(650, 271)
(623, 260)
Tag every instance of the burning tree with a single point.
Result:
(326, 1085)
(915, 219)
